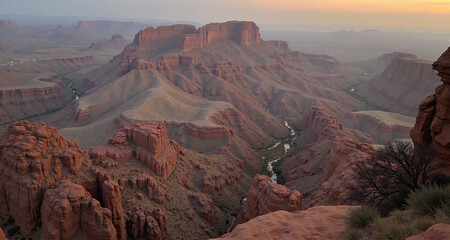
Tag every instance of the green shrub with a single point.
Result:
(389, 230)
(428, 199)
(362, 217)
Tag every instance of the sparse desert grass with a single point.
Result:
(427, 200)
(362, 217)
(425, 207)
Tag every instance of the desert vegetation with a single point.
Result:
(402, 194)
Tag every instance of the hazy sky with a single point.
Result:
(385, 13)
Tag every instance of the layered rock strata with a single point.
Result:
(245, 33)
(152, 147)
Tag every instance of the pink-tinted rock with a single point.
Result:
(432, 126)
(264, 197)
(68, 209)
(436, 232)
(32, 159)
(279, 43)
(245, 33)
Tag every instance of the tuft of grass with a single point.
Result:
(428, 199)
(362, 217)
(390, 230)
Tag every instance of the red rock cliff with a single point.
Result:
(264, 197)
(245, 33)
(432, 126)
(32, 158)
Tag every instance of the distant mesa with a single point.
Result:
(8, 23)
(244, 33)
(117, 41)
(401, 85)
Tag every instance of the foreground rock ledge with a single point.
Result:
(321, 222)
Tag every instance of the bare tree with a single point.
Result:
(396, 167)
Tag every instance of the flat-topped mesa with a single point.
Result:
(146, 37)
(432, 126)
(33, 157)
(244, 33)
(264, 197)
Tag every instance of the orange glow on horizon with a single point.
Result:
(362, 6)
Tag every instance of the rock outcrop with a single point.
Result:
(436, 232)
(2, 235)
(316, 223)
(245, 33)
(402, 85)
(33, 157)
(432, 126)
(68, 209)
(153, 147)
(112, 200)
(264, 197)
(148, 225)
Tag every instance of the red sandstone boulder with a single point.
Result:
(432, 126)
(68, 209)
(436, 232)
(316, 223)
(264, 197)
(33, 157)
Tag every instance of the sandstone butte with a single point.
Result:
(316, 223)
(264, 197)
(432, 126)
(153, 147)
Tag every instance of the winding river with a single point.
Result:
(286, 146)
